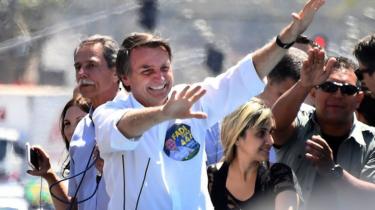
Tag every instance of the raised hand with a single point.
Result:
(314, 71)
(320, 154)
(303, 18)
(179, 104)
(44, 163)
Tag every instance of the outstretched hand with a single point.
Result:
(44, 163)
(304, 17)
(178, 105)
(314, 71)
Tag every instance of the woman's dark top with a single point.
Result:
(269, 183)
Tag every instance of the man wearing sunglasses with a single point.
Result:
(364, 51)
(332, 154)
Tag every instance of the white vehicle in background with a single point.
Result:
(12, 193)
(34, 112)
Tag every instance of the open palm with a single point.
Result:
(303, 18)
(314, 71)
(179, 104)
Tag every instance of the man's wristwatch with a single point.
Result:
(336, 172)
(283, 45)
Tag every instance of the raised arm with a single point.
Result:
(287, 106)
(269, 55)
(135, 122)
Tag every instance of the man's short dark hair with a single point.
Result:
(289, 66)
(110, 47)
(345, 64)
(137, 40)
(301, 39)
(364, 51)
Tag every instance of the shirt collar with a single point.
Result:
(355, 132)
(134, 102)
(91, 112)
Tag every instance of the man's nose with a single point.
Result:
(338, 93)
(159, 76)
(81, 71)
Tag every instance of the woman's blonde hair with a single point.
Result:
(252, 114)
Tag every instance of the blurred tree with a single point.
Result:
(19, 19)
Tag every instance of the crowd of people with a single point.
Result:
(301, 140)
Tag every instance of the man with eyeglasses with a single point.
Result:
(331, 152)
(364, 51)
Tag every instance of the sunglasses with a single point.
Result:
(359, 73)
(332, 87)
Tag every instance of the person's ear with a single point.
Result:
(115, 77)
(125, 80)
(359, 98)
(240, 138)
(237, 142)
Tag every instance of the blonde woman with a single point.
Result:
(245, 179)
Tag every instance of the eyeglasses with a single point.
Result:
(359, 73)
(332, 87)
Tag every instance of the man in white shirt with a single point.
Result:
(132, 131)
